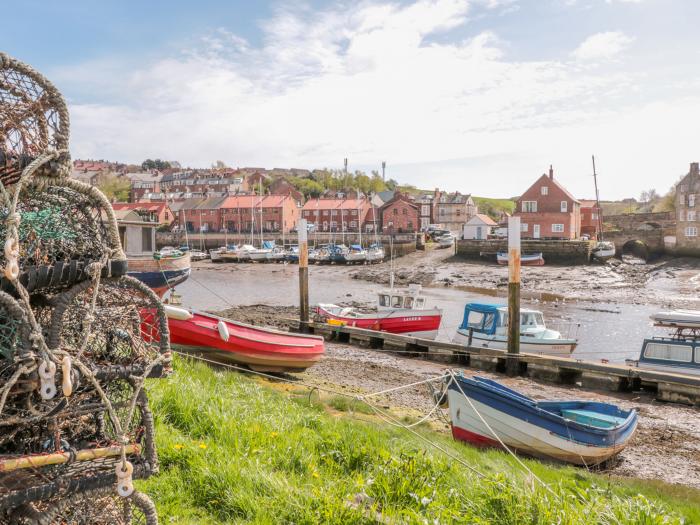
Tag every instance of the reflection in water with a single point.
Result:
(606, 331)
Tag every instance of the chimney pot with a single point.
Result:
(551, 172)
(694, 168)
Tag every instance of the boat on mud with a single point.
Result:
(678, 352)
(399, 311)
(228, 341)
(375, 253)
(603, 250)
(161, 271)
(356, 254)
(292, 254)
(488, 414)
(486, 326)
(526, 259)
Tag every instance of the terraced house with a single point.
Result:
(453, 210)
(548, 211)
(687, 212)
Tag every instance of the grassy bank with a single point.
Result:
(234, 450)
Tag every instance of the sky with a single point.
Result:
(479, 96)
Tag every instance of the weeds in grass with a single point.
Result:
(233, 450)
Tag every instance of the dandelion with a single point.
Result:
(202, 446)
(178, 446)
(274, 434)
(315, 474)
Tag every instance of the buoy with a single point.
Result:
(180, 314)
(223, 331)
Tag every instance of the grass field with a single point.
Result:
(236, 450)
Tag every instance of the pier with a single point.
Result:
(589, 375)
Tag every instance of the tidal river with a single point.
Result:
(612, 331)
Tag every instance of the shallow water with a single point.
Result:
(605, 331)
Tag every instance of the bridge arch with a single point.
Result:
(637, 248)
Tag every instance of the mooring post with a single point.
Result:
(512, 361)
(303, 276)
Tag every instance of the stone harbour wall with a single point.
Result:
(557, 252)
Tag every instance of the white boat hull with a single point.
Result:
(215, 256)
(604, 255)
(532, 345)
(672, 369)
(518, 434)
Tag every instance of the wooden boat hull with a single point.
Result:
(534, 259)
(525, 428)
(557, 347)
(419, 323)
(160, 274)
(261, 349)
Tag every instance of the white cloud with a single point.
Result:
(370, 83)
(602, 46)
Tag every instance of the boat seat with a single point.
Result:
(595, 419)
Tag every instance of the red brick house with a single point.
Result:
(279, 213)
(334, 215)
(160, 212)
(548, 211)
(590, 214)
(400, 215)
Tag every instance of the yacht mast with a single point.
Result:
(597, 202)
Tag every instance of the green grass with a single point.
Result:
(494, 207)
(233, 450)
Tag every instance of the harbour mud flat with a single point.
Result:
(672, 282)
(665, 446)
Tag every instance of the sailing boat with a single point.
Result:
(603, 249)
(357, 254)
(375, 253)
(262, 253)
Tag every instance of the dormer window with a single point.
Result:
(544, 190)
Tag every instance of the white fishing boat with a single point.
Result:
(604, 250)
(375, 253)
(486, 326)
(197, 255)
(678, 352)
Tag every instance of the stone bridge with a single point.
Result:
(646, 241)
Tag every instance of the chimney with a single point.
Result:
(694, 168)
(551, 172)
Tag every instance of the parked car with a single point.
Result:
(435, 234)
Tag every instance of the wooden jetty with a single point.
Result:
(665, 386)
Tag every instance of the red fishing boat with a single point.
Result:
(227, 341)
(399, 311)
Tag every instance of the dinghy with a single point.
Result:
(526, 259)
(227, 341)
(486, 413)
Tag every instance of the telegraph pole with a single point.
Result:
(512, 361)
(345, 162)
(303, 276)
(384, 170)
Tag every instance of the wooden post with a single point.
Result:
(512, 362)
(303, 276)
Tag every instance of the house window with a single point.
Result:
(442, 212)
(404, 211)
(691, 216)
(681, 215)
(459, 212)
(353, 224)
(544, 190)
(564, 206)
(354, 212)
(530, 206)
(334, 213)
(396, 211)
(410, 225)
(594, 216)
(425, 210)
(523, 226)
(691, 231)
(557, 228)
(691, 201)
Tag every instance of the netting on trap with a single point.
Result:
(62, 228)
(33, 121)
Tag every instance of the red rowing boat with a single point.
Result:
(399, 311)
(224, 340)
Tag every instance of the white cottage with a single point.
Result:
(479, 226)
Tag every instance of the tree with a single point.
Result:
(150, 164)
(115, 187)
(219, 165)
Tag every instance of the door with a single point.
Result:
(478, 233)
(536, 231)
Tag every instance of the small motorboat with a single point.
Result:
(603, 250)
(486, 326)
(227, 341)
(399, 311)
(445, 241)
(375, 253)
(678, 352)
(197, 255)
(526, 259)
(486, 413)
(356, 255)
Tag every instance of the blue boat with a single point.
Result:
(488, 414)
(292, 255)
(337, 253)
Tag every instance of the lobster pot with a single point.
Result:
(63, 228)
(33, 121)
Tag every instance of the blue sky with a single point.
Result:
(475, 95)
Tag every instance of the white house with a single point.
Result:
(478, 227)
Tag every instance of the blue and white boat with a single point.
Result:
(292, 254)
(486, 414)
(678, 352)
(356, 254)
(486, 326)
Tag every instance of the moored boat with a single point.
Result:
(197, 255)
(356, 254)
(337, 253)
(277, 254)
(399, 311)
(678, 352)
(375, 253)
(526, 259)
(292, 254)
(603, 250)
(486, 414)
(228, 341)
(215, 254)
(486, 326)
(161, 272)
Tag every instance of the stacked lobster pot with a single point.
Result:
(78, 338)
